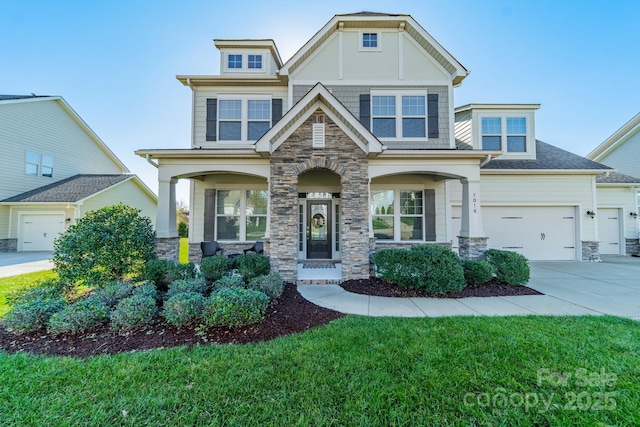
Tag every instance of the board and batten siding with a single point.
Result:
(127, 192)
(536, 190)
(204, 93)
(626, 157)
(620, 197)
(46, 128)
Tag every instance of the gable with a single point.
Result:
(622, 149)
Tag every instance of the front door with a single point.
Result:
(318, 229)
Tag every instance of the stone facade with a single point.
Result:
(8, 245)
(472, 247)
(341, 156)
(633, 246)
(591, 251)
(168, 248)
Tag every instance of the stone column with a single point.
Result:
(472, 240)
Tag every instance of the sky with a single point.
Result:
(115, 61)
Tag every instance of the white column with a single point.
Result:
(369, 211)
(471, 225)
(267, 233)
(166, 214)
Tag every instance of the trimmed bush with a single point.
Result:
(113, 293)
(105, 245)
(134, 311)
(435, 269)
(271, 284)
(184, 271)
(79, 316)
(33, 314)
(251, 265)
(509, 267)
(477, 272)
(158, 271)
(192, 285)
(184, 308)
(147, 289)
(214, 267)
(235, 307)
(229, 282)
(48, 289)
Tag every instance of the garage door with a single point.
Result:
(538, 233)
(609, 231)
(39, 231)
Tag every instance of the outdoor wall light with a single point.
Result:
(633, 214)
(591, 214)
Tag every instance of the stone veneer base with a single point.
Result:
(472, 247)
(8, 245)
(591, 251)
(168, 248)
(632, 246)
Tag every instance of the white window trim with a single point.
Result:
(397, 223)
(244, 115)
(529, 152)
(361, 47)
(398, 95)
(242, 235)
(245, 62)
(39, 164)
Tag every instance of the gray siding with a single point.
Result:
(349, 96)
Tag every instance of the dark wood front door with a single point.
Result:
(319, 229)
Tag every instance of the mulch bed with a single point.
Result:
(290, 314)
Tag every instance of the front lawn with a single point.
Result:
(354, 371)
(13, 283)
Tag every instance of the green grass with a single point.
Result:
(184, 250)
(354, 371)
(13, 283)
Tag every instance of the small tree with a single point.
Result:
(104, 246)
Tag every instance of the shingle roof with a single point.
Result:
(8, 97)
(69, 190)
(616, 178)
(548, 157)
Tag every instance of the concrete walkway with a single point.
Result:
(570, 288)
(14, 263)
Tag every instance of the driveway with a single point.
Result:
(14, 263)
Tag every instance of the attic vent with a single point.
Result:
(318, 135)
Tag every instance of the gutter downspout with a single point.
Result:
(148, 157)
(485, 161)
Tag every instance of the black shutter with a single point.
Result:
(276, 111)
(430, 215)
(432, 115)
(212, 119)
(365, 110)
(209, 215)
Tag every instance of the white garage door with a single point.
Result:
(38, 231)
(538, 233)
(609, 231)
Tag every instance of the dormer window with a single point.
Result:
(234, 61)
(504, 133)
(255, 62)
(370, 41)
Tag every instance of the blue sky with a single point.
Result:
(115, 61)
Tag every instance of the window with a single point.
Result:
(399, 116)
(47, 166)
(255, 61)
(369, 40)
(234, 61)
(241, 214)
(398, 214)
(497, 130)
(32, 163)
(243, 119)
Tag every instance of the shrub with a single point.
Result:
(233, 281)
(158, 271)
(271, 284)
(104, 246)
(183, 229)
(251, 265)
(33, 314)
(192, 285)
(435, 269)
(477, 272)
(235, 307)
(79, 316)
(136, 310)
(113, 293)
(47, 289)
(214, 267)
(509, 267)
(183, 271)
(184, 308)
(147, 289)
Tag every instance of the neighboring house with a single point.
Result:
(54, 170)
(622, 152)
(354, 144)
